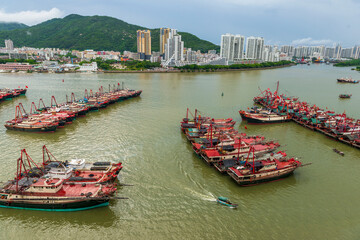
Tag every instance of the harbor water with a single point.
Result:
(174, 192)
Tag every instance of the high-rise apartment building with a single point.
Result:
(190, 56)
(346, 52)
(254, 48)
(144, 43)
(329, 52)
(164, 35)
(355, 52)
(232, 47)
(9, 45)
(337, 52)
(174, 48)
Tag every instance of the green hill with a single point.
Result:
(91, 32)
(5, 26)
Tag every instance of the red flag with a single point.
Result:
(118, 84)
(18, 86)
(26, 86)
(63, 80)
(245, 127)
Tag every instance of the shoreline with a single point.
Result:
(164, 71)
(197, 71)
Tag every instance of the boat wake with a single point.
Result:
(206, 197)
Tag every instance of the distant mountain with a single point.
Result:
(91, 32)
(5, 26)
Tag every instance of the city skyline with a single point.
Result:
(320, 23)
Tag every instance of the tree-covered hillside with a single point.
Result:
(91, 32)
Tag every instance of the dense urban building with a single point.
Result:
(164, 35)
(9, 45)
(144, 44)
(232, 47)
(174, 49)
(254, 48)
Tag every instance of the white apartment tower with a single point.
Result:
(254, 48)
(337, 51)
(9, 45)
(232, 47)
(355, 52)
(174, 47)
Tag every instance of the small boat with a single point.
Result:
(347, 80)
(225, 201)
(338, 152)
(345, 95)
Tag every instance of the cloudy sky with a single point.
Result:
(298, 22)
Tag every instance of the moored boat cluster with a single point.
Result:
(249, 160)
(338, 126)
(55, 185)
(7, 93)
(48, 119)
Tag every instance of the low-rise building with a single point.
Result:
(89, 67)
(16, 66)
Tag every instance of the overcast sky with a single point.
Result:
(298, 22)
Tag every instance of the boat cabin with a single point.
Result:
(43, 185)
(59, 173)
(76, 163)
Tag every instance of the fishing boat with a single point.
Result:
(226, 148)
(225, 201)
(334, 125)
(8, 94)
(48, 119)
(347, 80)
(24, 122)
(264, 117)
(33, 192)
(263, 171)
(345, 95)
(204, 121)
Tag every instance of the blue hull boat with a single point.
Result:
(225, 201)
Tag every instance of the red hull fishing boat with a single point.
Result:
(33, 189)
(23, 122)
(337, 126)
(48, 119)
(262, 171)
(225, 149)
(7, 93)
(204, 121)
